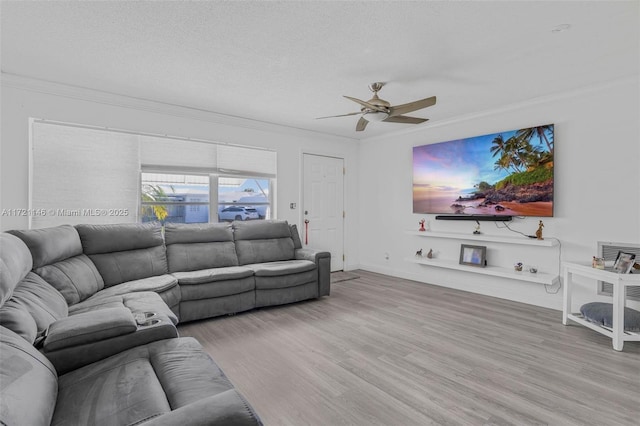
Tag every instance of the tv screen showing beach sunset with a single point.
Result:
(507, 173)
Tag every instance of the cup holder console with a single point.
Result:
(149, 322)
(145, 319)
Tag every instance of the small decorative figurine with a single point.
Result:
(518, 266)
(477, 231)
(419, 252)
(422, 228)
(539, 231)
(597, 262)
(430, 254)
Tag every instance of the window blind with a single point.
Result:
(82, 175)
(168, 154)
(236, 160)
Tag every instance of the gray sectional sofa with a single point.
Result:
(94, 309)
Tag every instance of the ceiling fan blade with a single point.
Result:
(411, 106)
(342, 115)
(362, 123)
(367, 104)
(404, 119)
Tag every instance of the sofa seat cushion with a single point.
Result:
(144, 383)
(216, 289)
(29, 383)
(288, 267)
(138, 303)
(213, 275)
(215, 282)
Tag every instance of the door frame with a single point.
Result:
(320, 153)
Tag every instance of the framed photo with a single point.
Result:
(473, 255)
(624, 262)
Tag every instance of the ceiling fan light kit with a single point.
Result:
(379, 110)
(375, 116)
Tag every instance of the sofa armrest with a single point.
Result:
(225, 408)
(68, 358)
(89, 327)
(323, 260)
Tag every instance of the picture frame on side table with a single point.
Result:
(624, 262)
(473, 255)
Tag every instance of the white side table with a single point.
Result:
(620, 283)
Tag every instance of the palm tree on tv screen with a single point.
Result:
(540, 132)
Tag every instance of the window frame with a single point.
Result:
(214, 180)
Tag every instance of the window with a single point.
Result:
(243, 199)
(174, 198)
(185, 198)
(84, 174)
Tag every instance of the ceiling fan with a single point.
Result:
(376, 109)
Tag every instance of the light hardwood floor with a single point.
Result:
(386, 351)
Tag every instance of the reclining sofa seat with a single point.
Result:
(130, 258)
(38, 310)
(283, 273)
(203, 259)
(168, 382)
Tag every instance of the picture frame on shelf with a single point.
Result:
(473, 255)
(624, 262)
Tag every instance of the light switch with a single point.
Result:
(292, 206)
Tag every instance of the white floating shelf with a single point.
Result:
(488, 238)
(538, 278)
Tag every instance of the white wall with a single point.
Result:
(597, 174)
(597, 192)
(25, 98)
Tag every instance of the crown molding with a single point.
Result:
(634, 78)
(113, 99)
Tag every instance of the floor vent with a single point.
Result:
(609, 251)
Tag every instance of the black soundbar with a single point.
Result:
(478, 217)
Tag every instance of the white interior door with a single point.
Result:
(323, 206)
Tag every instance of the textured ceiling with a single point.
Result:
(290, 62)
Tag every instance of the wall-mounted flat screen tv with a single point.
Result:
(507, 173)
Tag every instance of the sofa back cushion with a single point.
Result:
(191, 247)
(29, 383)
(58, 258)
(124, 252)
(50, 245)
(28, 305)
(15, 264)
(76, 278)
(263, 241)
(33, 306)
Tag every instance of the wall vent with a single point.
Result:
(609, 251)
